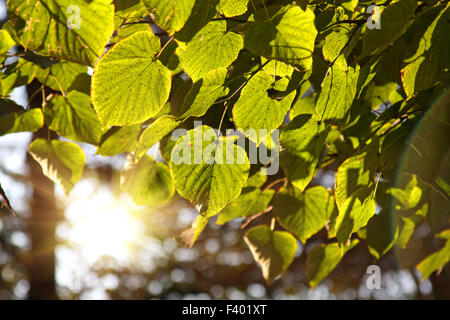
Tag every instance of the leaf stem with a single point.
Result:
(30, 99)
(228, 19)
(272, 224)
(223, 114)
(6, 202)
(165, 46)
(276, 182)
(245, 82)
(253, 217)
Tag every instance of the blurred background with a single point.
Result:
(96, 244)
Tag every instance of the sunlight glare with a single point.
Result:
(102, 225)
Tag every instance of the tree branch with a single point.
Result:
(6, 202)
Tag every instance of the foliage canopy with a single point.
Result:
(368, 105)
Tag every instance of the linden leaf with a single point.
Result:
(286, 34)
(303, 214)
(148, 182)
(208, 170)
(73, 30)
(273, 250)
(211, 48)
(130, 85)
(61, 161)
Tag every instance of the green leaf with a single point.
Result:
(443, 185)
(13, 118)
(190, 236)
(256, 110)
(395, 18)
(204, 93)
(166, 146)
(208, 170)
(211, 48)
(354, 213)
(409, 225)
(251, 201)
(119, 140)
(429, 61)
(155, 132)
(170, 15)
(273, 250)
(303, 105)
(277, 68)
(73, 117)
(130, 85)
(408, 198)
(65, 77)
(374, 95)
(61, 161)
(6, 42)
(338, 91)
(393, 144)
(437, 260)
(15, 75)
(303, 213)
(42, 26)
(334, 43)
(203, 11)
(286, 34)
(380, 234)
(129, 29)
(148, 182)
(128, 10)
(231, 8)
(302, 141)
(323, 259)
(356, 172)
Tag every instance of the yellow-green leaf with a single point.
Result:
(130, 85)
(273, 250)
(61, 161)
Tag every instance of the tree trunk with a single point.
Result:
(44, 216)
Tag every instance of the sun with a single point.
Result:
(100, 224)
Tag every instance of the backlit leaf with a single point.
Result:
(323, 259)
(208, 170)
(210, 49)
(119, 140)
(42, 26)
(302, 143)
(148, 182)
(130, 85)
(61, 161)
(13, 118)
(155, 132)
(303, 213)
(273, 250)
(286, 34)
(170, 15)
(73, 117)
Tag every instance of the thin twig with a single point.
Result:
(222, 18)
(349, 21)
(223, 114)
(276, 182)
(165, 46)
(6, 202)
(242, 85)
(253, 217)
(32, 96)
